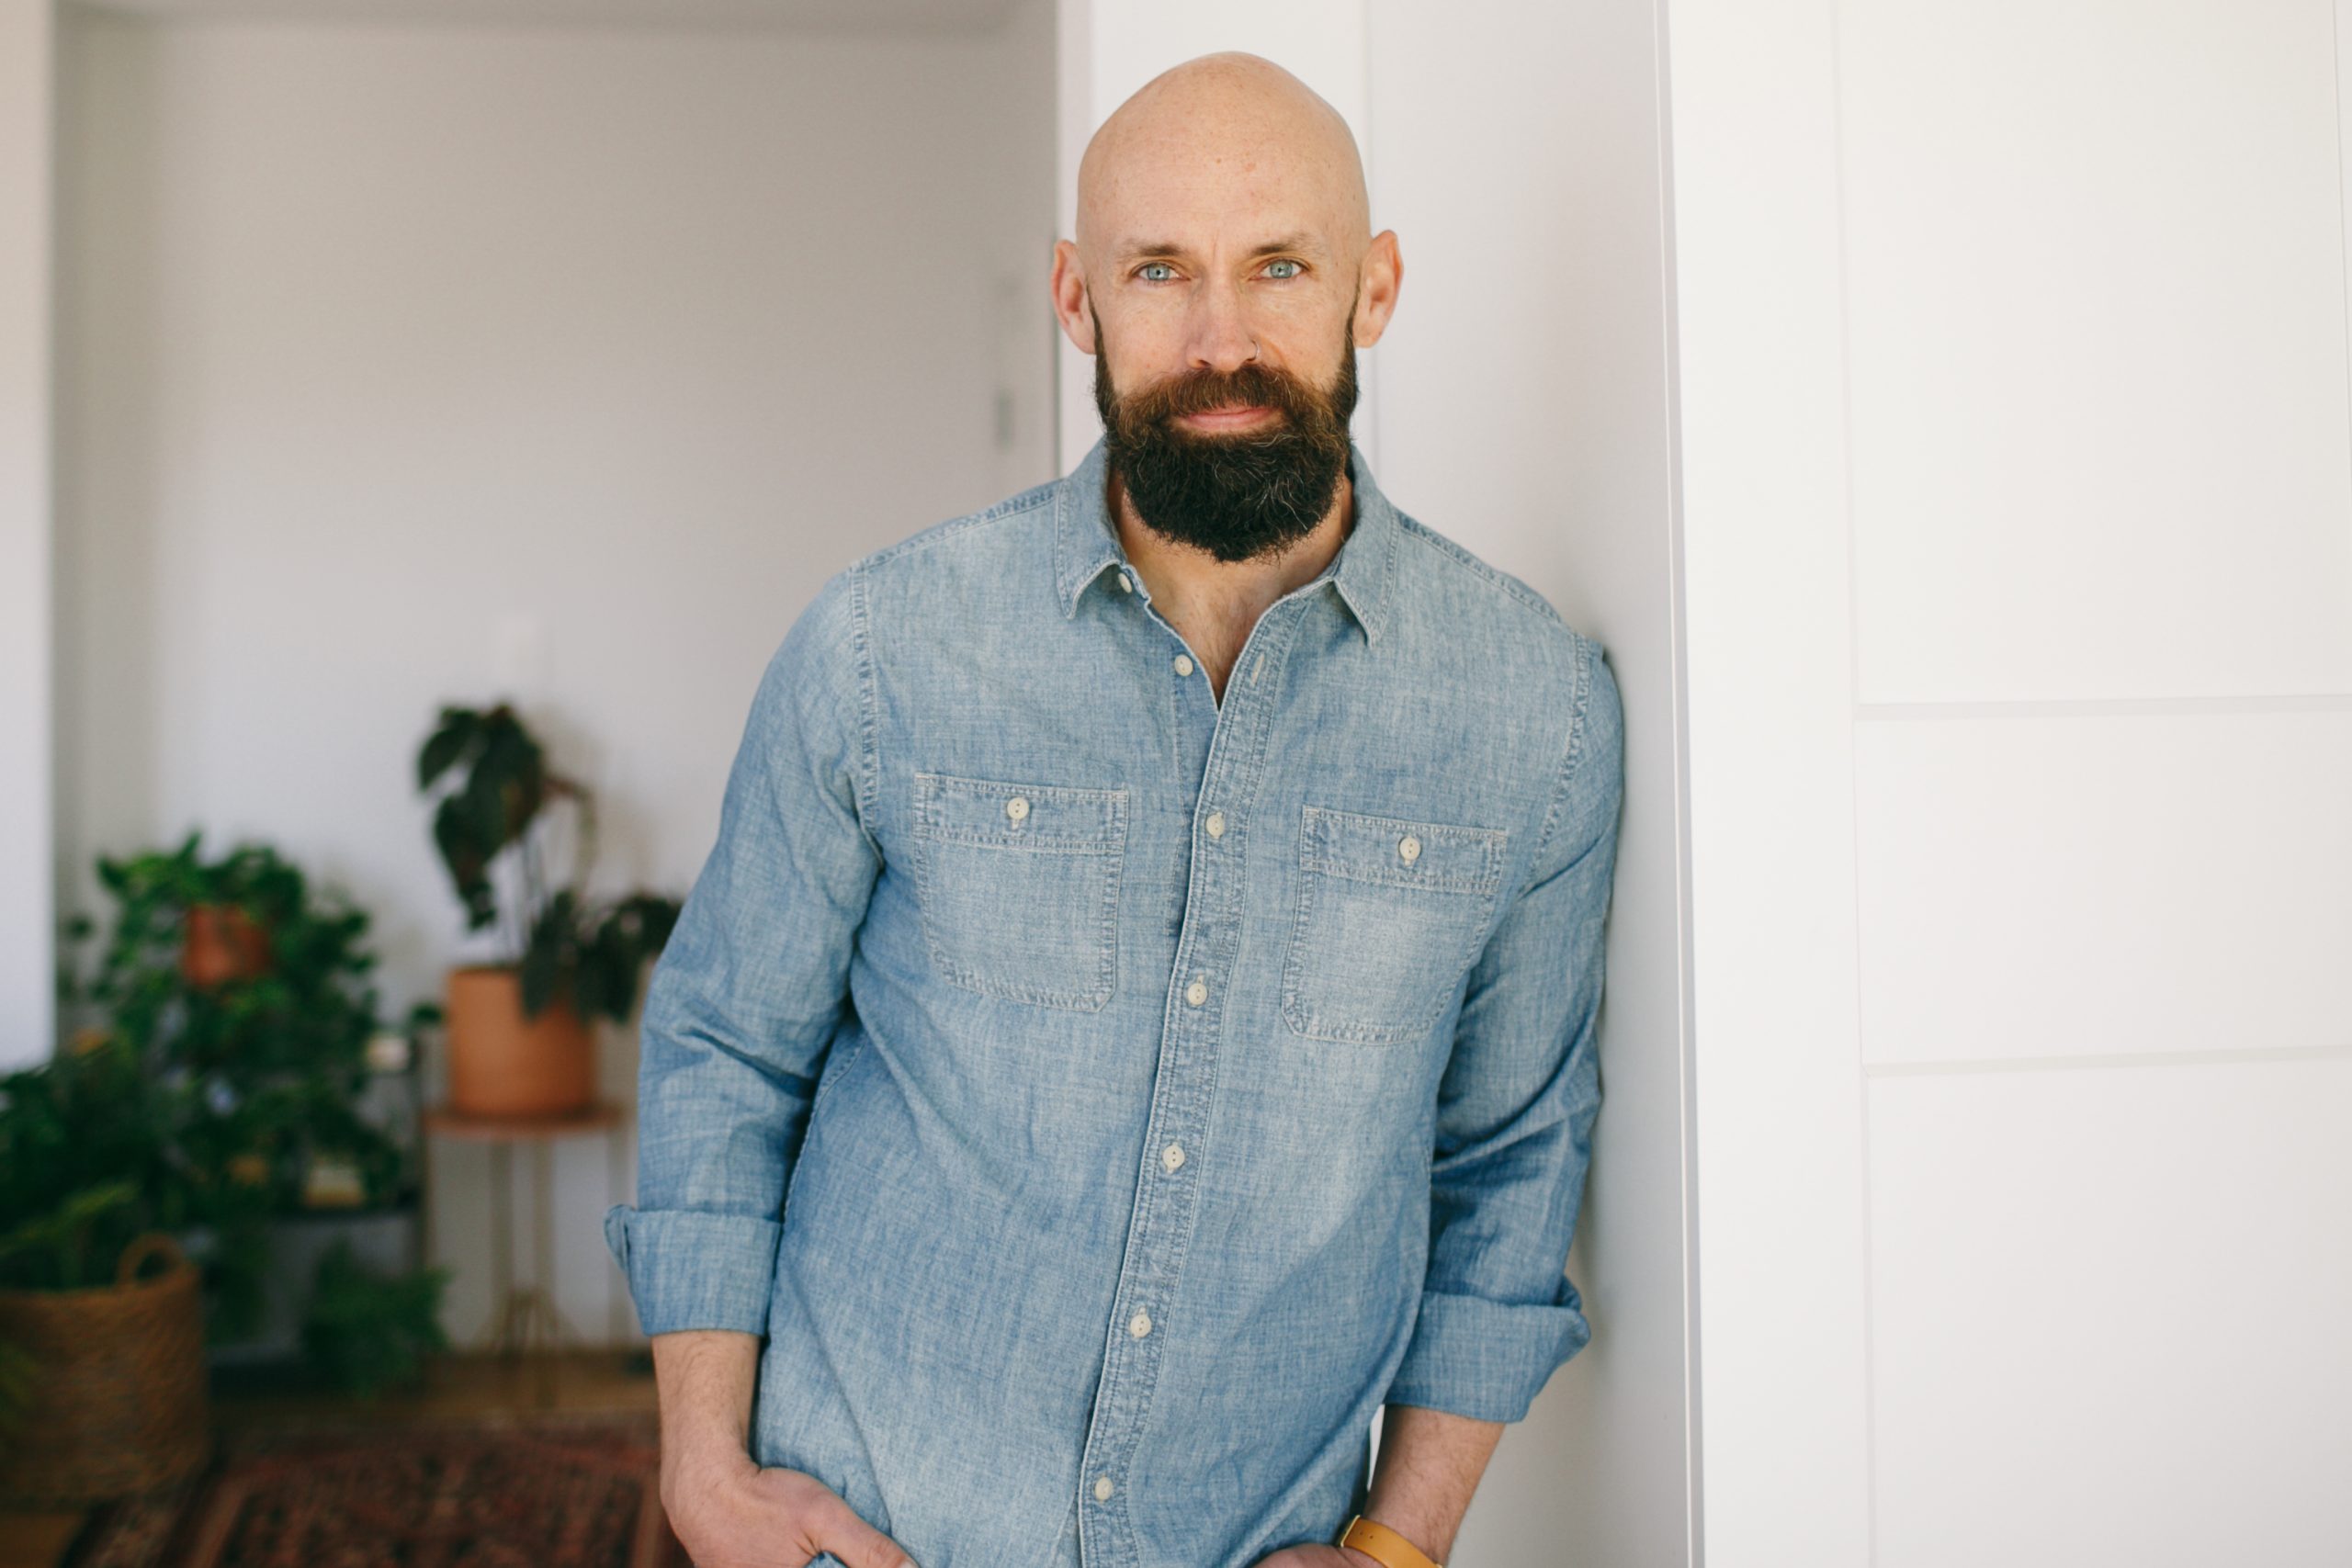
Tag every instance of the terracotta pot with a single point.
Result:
(119, 1396)
(502, 1063)
(222, 943)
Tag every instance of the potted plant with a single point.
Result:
(215, 917)
(264, 1066)
(370, 1329)
(106, 1393)
(518, 1026)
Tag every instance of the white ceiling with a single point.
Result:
(864, 16)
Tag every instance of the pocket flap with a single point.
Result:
(1402, 851)
(1061, 818)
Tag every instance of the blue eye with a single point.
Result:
(1149, 266)
(1285, 262)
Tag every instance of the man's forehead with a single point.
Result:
(1231, 208)
(1245, 154)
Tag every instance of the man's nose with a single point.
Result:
(1218, 334)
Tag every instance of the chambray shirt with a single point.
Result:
(1103, 1097)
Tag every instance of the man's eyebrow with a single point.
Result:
(1135, 249)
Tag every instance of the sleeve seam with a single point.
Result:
(869, 787)
(1571, 758)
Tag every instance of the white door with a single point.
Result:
(2019, 530)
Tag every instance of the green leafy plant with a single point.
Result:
(275, 1058)
(495, 802)
(309, 1009)
(369, 1331)
(197, 1101)
(194, 1096)
(93, 1154)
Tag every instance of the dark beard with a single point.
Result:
(1242, 494)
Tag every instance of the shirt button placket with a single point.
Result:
(1160, 1228)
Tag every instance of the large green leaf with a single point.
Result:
(441, 749)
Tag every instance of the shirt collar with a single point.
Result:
(1086, 540)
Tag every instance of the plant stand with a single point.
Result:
(525, 1324)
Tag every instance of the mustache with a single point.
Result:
(1206, 389)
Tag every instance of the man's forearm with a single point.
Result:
(703, 1379)
(1429, 1465)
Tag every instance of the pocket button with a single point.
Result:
(1017, 807)
(1408, 847)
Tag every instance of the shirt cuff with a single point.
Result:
(1484, 1358)
(687, 1268)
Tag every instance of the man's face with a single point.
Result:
(1240, 462)
(1223, 277)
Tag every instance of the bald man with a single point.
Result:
(1136, 1023)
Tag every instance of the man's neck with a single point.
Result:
(1215, 601)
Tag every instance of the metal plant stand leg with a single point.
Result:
(527, 1323)
(524, 1323)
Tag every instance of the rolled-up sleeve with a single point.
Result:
(1518, 1099)
(746, 996)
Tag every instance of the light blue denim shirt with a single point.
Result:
(1103, 1097)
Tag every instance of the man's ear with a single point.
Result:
(1067, 286)
(1376, 285)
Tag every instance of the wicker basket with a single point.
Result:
(122, 1402)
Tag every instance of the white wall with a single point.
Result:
(2018, 479)
(28, 108)
(1520, 403)
(408, 364)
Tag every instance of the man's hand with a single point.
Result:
(728, 1512)
(1315, 1556)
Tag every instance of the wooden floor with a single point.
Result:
(457, 1383)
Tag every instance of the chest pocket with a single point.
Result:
(1018, 885)
(1389, 910)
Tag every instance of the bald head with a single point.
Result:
(1211, 141)
(1223, 256)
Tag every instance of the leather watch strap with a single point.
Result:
(1377, 1540)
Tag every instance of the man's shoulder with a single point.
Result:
(1007, 520)
(963, 564)
(1457, 585)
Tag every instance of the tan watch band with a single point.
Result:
(1377, 1540)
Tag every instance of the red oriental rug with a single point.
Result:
(553, 1489)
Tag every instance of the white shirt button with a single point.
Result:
(1126, 583)
(1017, 807)
(1216, 823)
(1102, 1488)
(1197, 992)
(1183, 665)
(1408, 847)
(1139, 1325)
(1172, 1155)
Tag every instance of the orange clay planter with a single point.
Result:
(222, 944)
(503, 1064)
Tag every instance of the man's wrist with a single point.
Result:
(1382, 1543)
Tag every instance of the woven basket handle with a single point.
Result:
(142, 1247)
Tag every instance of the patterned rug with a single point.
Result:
(554, 1490)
